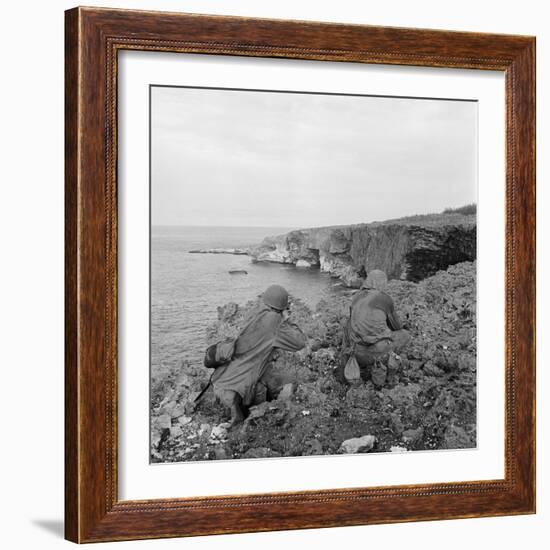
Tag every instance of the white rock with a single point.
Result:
(218, 432)
(358, 444)
(397, 449)
(183, 420)
(303, 263)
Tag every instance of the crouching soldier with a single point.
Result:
(267, 329)
(373, 330)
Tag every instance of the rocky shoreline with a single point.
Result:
(427, 403)
(409, 249)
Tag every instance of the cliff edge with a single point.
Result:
(410, 248)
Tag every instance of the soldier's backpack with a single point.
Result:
(219, 354)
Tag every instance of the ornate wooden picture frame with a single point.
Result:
(94, 37)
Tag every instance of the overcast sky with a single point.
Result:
(246, 158)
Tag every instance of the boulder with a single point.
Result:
(219, 433)
(358, 444)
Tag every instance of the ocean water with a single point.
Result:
(186, 289)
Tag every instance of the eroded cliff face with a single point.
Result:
(408, 249)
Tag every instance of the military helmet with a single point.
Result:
(276, 297)
(376, 279)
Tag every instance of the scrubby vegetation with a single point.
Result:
(466, 210)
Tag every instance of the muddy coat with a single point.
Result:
(265, 331)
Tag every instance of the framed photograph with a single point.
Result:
(300, 275)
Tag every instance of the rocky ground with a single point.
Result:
(428, 402)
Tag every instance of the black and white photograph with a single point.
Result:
(274, 275)
(312, 273)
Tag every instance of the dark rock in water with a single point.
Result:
(409, 248)
(238, 272)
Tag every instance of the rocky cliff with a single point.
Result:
(428, 400)
(408, 248)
